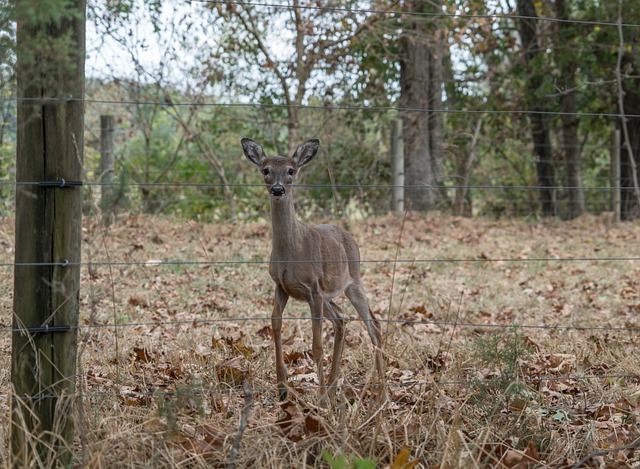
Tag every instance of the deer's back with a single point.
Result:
(327, 256)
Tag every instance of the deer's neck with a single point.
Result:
(286, 229)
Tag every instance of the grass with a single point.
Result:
(482, 368)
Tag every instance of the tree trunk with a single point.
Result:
(570, 145)
(421, 77)
(50, 70)
(629, 208)
(462, 205)
(537, 115)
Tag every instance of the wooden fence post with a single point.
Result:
(397, 167)
(107, 167)
(615, 175)
(50, 126)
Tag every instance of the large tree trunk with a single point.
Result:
(421, 76)
(570, 146)
(537, 115)
(630, 156)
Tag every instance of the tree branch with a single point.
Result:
(251, 28)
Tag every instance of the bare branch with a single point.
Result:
(252, 29)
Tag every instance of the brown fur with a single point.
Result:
(312, 264)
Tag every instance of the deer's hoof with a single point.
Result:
(283, 391)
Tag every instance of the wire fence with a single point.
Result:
(403, 321)
(326, 107)
(444, 326)
(599, 184)
(435, 14)
(204, 187)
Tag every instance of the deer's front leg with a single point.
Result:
(317, 350)
(280, 301)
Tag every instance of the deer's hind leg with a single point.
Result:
(358, 299)
(333, 312)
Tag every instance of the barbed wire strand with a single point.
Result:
(400, 321)
(160, 263)
(330, 107)
(437, 14)
(330, 186)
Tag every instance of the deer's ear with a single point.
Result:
(253, 151)
(305, 152)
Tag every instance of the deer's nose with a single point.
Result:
(277, 190)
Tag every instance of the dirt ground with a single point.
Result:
(507, 343)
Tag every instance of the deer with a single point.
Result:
(315, 264)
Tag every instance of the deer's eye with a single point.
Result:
(292, 171)
(265, 171)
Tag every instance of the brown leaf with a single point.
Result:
(134, 397)
(293, 357)
(440, 362)
(232, 345)
(531, 343)
(138, 301)
(231, 371)
(487, 374)
(243, 349)
(141, 354)
(313, 424)
(562, 362)
(401, 460)
(292, 424)
(297, 422)
(420, 310)
(518, 405)
(566, 386)
(194, 446)
(137, 246)
(521, 459)
(98, 379)
(265, 333)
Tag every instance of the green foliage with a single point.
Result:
(342, 462)
(502, 355)
(486, 71)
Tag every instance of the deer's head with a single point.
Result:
(279, 171)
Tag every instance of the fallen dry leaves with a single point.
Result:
(167, 347)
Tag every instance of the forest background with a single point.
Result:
(507, 108)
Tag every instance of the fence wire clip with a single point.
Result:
(61, 183)
(46, 329)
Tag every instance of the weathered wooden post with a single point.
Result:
(615, 175)
(397, 167)
(107, 165)
(50, 76)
